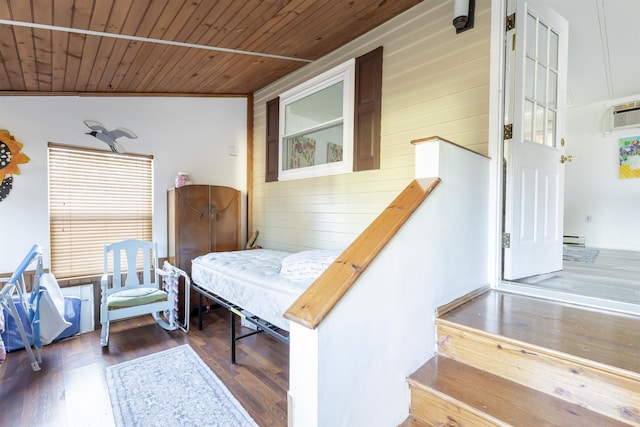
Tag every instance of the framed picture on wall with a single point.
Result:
(629, 155)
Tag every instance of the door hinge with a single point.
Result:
(508, 131)
(506, 240)
(511, 22)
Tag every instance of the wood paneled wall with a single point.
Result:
(434, 83)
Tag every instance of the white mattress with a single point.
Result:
(251, 280)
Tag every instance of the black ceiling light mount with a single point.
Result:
(463, 14)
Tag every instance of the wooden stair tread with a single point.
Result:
(608, 338)
(501, 399)
(413, 421)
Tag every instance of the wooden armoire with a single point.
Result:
(201, 219)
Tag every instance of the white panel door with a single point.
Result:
(534, 166)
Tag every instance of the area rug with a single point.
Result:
(172, 388)
(579, 254)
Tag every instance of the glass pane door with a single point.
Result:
(540, 83)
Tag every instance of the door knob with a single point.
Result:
(564, 159)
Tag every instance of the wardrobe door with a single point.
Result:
(225, 218)
(192, 223)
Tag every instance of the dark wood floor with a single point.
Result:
(70, 390)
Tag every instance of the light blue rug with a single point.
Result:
(577, 254)
(172, 388)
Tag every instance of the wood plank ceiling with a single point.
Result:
(173, 46)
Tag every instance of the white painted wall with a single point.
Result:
(183, 134)
(352, 369)
(592, 184)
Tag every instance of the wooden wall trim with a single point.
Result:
(452, 305)
(319, 299)
(249, 210)
(436, 138)
(124, 94)
(28, 275)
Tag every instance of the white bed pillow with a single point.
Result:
(307, 264)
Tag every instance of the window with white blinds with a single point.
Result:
(95, 198)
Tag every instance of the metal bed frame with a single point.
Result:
(260, 324)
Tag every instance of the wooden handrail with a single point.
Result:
(323, 294)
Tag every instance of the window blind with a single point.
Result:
(95, 198)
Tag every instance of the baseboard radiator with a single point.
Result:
(574, 240)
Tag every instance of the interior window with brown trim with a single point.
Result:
(367, 107)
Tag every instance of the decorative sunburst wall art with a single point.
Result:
(10, 158)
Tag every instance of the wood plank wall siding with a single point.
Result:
(434, 82)
(323, 294)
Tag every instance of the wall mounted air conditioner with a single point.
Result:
(626, 115)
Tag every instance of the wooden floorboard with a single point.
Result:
(70, 390)
(605, 337)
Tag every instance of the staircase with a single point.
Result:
(511, 360)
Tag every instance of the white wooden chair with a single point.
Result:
(139, 293)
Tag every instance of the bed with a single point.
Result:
(257, 285)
